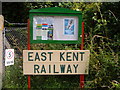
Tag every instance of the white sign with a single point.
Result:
(9, 57)
(55, 62)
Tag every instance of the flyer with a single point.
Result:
(68, 26)
(43, 28)
(44, 34)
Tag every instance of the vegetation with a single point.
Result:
(102, 38)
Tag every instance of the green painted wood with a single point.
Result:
(55, 11)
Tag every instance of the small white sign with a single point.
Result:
(9, 57)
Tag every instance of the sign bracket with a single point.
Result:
(28, 47)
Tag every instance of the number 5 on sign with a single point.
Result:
(9, 57)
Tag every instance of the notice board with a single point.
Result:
(55, 27)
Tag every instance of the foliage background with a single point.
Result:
(102, 38)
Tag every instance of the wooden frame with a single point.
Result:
(55, 11)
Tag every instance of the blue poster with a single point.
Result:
(68, 26)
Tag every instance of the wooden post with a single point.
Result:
(1, 49)
(28, 46)
(82, 47)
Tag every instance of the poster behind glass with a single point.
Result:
(55, 28)
(68, 26)
(43, 28)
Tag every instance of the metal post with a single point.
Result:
(28, 46)
(82, 47)
(1, 48)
